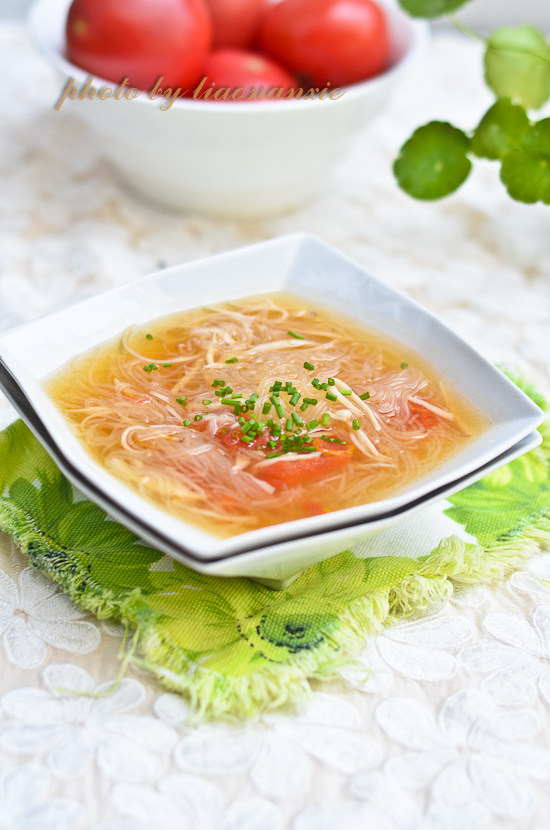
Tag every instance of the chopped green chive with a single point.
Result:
(187, 423)
(236, 396)
(254, 397)
(331, 382)
(365, 396)
(232, 360)
(296, 418)
(182, 400)
(356, 424)
(333, 440)
(166, 365)
(404, 365)
(266, 409)
(206, 402)
(273, 455)
(295, 398)
(149, 336)
(297, 336)
(241, 421)
(247, 427)
(197, 418)
(247, 439)
(312, 401)
(312, 424)
(289, 426)
(304, 405)
(309, 366)
(230, 402)
(218, 382)
(279, 410)
(345, 392)
(306, 448)
(325, 420)
(220, 393)
(331, 396)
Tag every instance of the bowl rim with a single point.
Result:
(54, 13)
(207, 546)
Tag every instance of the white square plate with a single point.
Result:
(303, 266)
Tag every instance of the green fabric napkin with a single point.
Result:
(232, 646)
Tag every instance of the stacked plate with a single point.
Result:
(308, 268)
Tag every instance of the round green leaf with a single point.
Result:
(500, 130)
(517, 65)
(433, 162)
(430, 8)
(526, 170)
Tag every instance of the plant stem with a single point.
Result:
(465, 29)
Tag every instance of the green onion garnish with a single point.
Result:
(356, 423)
(312, 424)
(166, 365)
(197, 418)
(295, 398)
(312, 401)
(345, 392)
(325, 420)
(232, 360)
(297, 336)
(331, 382)
(247, 427)
(331, 396)
(242, 421)
(289, 426)
(365, 396)
(247, 439)
(218, 382)
(296, 418)
(182, 400)
(404, 365)
(266, 409)
(149, 336)
(304, 405)
(273, 455)
(309, 366)
(236, 396)
(279, 410)
(220, 393)
(206, 402)
(332, 440)
(187, 423)
(254, 397)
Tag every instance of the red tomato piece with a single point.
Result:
(230, 70)
(423, 416)
(235, 22)
(339, 42)
(141, 40)
(230, 438)
(307, 470)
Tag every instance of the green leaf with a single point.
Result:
(500, 130)
(433, 162)
(430, 8)
(526, 170)
(517, 65)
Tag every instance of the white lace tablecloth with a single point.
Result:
(452, 730)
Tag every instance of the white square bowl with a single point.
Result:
(307, 267)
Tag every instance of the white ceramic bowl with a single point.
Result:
(306, 267)
(237, 160)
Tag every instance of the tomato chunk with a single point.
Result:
(282, 474)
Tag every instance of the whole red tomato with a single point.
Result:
(237, 69)
(336, 41)
(140, 39)
(235, 22)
